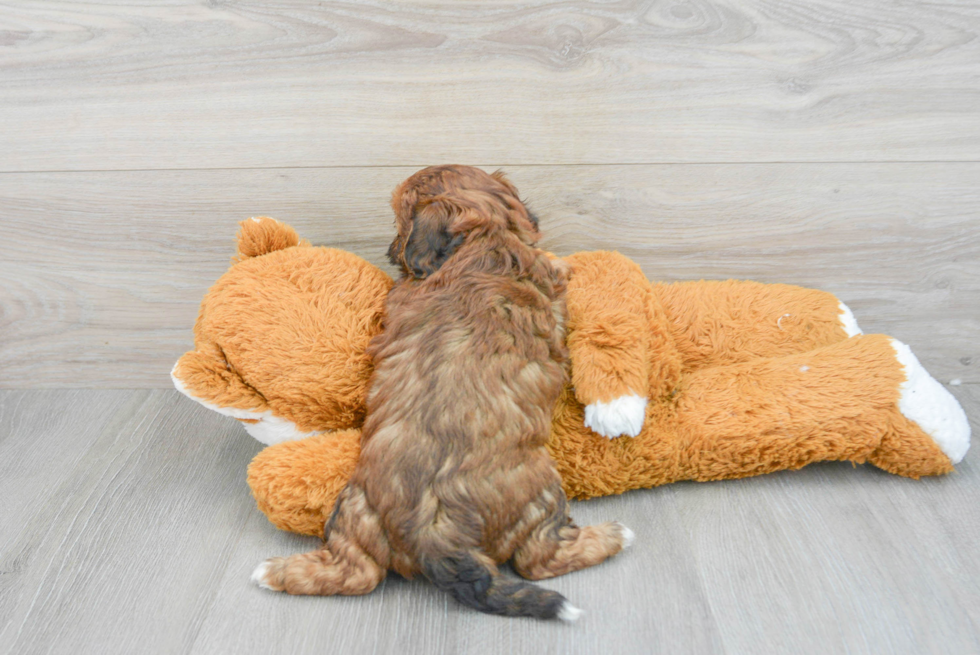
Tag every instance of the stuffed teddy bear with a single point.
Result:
(684, 381)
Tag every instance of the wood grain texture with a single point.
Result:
(141, 536)
(825, 143)
(29, 421)
(122, 546)
(109, 86)
(103, 272)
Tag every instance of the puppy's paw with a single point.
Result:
(562, 266)
(626, 535)
(268, 574)
(620, 416)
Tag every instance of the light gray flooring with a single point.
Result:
(127, 527)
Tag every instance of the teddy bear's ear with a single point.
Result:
(262, 235)
(208, 379)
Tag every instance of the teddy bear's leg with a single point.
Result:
(854, 400)
(926, 405)
(296, 483)
(717, 323)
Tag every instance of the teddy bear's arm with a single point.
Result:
(203, 375)
(615, 339)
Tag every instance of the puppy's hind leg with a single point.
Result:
(343, 566)
(330, 571)
(557, 546)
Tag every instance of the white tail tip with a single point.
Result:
(569, 613)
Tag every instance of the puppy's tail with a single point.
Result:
(474, 581)
(262, 235)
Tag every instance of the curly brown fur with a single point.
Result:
(453, 476)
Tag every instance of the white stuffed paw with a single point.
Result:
(623, 415)
(932, 407)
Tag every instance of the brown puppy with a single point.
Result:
(453, 476)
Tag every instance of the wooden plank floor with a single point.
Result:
(128, 528)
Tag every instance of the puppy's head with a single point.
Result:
(440, 208)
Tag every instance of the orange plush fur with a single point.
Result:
(738, 378)
(280, 340)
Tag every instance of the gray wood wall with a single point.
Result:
(826, 143)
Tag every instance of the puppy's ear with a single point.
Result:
(429, 243)
(515, 217)
(501, 177)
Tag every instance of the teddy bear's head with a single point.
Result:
(280, 338)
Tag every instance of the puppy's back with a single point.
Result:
(466, 375)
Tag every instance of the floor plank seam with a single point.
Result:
(494, 165)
